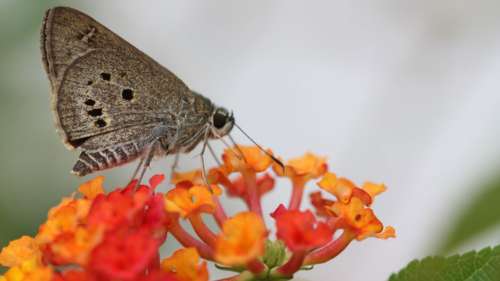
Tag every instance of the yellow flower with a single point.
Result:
(20, 250)
(185, 265)
(63, 218)
(65, 233)
(28, 270)
(388, 232)
(373, 189)
(76, 247)
(301, 169)
(340, 187)
(254, 159)
(242, 239)
(187, 179)
(190, 201)
(92, 188)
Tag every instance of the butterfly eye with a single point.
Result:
(220, 120)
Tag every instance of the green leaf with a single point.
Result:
(480, 215)
(472, 266)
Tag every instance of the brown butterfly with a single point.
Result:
(115, 103)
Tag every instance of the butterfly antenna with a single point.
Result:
(239, 154)
(276, 160)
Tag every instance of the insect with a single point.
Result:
(115, 103)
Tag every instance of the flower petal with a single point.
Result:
(185, 265)
(242, 239)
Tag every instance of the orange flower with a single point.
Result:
(373, 189)
(242, 239)
(304, 168)
(187, 202)
(351, 206)
(57, 236)
(29, 270)
(75, 247)
(19, 251)
(321, 204)
(344, 189)
(187, 179)
(92, 188)
(185, 265)
(63, 218)
(254, 159)
(360, 220)
(64, 236)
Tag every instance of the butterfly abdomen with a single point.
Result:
(92, 161)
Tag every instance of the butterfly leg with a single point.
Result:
(203, 169)
(138, 168)
(146, 159)
(212, 151)
(202, 158)
(149, 151)
(174, 165)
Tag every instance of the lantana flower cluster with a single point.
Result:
(94, 235)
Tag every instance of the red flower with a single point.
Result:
(124, 254)
(239, 187)
(299, 230)
(159, 275)
(74, 275)
(126, 206)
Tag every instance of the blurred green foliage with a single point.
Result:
(481, 215)
(28, 180)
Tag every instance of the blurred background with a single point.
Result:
(401, 92)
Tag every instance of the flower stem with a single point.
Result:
(292, 265)
(296, 199)
(219, 214)
(253, 200)
(189, 241)
(330, 250)
(256, 266)
(202, 230)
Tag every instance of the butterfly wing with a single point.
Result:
(104, 90)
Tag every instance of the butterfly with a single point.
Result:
(116, 104)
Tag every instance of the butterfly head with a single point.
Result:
(221, 122)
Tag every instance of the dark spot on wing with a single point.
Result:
(95, 112)
(106, 76)
(90, 102)
(99, 123)
(127, 94)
